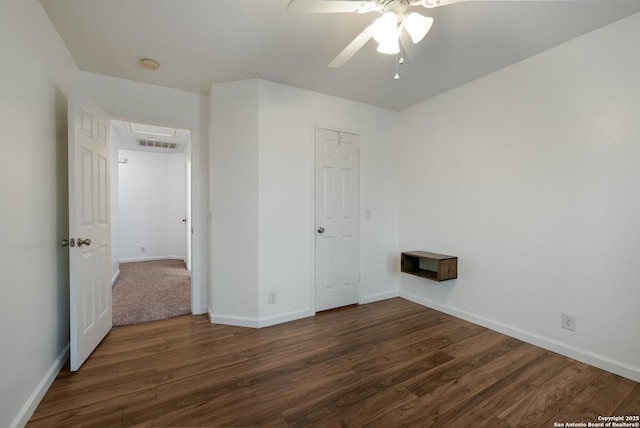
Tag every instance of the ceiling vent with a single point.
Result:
(158, 144)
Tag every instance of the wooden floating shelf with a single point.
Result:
(437, 267)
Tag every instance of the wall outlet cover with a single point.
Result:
(273, 296)
(568, 321)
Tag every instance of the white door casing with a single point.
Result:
(337, 159)
(188, 226)
(89, 219)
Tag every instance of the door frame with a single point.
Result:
(189, 196)
(312, 229)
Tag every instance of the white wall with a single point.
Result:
(34, 308)
(128, 100)
(234, 202)
(152, 204)
(530, 176)
(261, 149)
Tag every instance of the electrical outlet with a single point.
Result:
(273, 296)
(568, 321)
(143, 249)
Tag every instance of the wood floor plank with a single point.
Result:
(386, 364)
(85, 391)
(205, 410)
(305, 384)
(310, 412)
(462, 364)
(108, 412)
(246, 373)
(361, 411)
(216, 381)
(541, 405)
(247, 413)
(475, 381)
(631, 405)
(496, 423)
(103, 417)
(425, 409)
(402, 348)
(482, 407)
(601, 398)
(346, 354)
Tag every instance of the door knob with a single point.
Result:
(184, 220)
(68, 242)
(82, 242)
(321, 229)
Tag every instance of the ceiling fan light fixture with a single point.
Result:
(385, 28)
(417, 26)
(391, 46)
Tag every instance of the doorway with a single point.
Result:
(151, 230)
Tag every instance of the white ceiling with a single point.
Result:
(200, 42)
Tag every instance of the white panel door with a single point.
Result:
(89, 228)
(336, 218)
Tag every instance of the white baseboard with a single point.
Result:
(233, 320)
(115, 277)
(587, 357)
(286, 317)
(259, 322)
(199, 310)
(43, 386)
(149, 259)
(379, 297)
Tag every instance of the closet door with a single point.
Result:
(337, 264)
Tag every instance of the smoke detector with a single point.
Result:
(149, 64)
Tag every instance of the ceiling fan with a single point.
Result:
(396, 20)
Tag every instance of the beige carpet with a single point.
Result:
(149, 291)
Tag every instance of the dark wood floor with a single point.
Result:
(385, 364)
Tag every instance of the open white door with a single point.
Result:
(89, 228)
(337, 160)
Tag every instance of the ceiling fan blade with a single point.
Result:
(333, 6)
(429, 4)
(352, 48)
